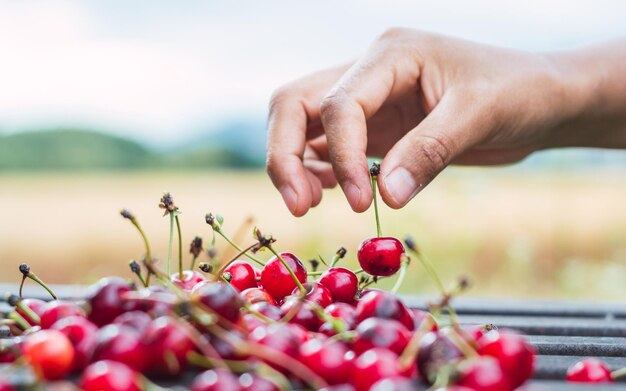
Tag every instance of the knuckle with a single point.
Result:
(437, 150)
(331, 103)
(279, 95)
(394, 33)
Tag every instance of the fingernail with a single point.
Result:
(353, 193)
(401, 185)
(290, 197)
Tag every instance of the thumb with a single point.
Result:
(427, 149)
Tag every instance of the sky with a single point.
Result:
(156, 70)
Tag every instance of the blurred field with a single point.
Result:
(514, 233)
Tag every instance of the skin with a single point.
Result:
(422, 101)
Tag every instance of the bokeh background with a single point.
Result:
(105, 105)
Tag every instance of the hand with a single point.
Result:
(420, 101)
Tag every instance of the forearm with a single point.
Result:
(594, 85)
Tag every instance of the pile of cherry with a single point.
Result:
(239, 327)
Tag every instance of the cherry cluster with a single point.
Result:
(238, 324)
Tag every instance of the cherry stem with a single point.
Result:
(233, 259)
(338, 255)
(180, 249)
(193, 262)
(134, 267)
(618, 373)
(374, 171)
(401, 275)
(19, 319)
(237, 247)
(34, 277)
(17, 302)
(427, 265)
(128, 215)
(301, 288)
(169, 248)
(407, 357)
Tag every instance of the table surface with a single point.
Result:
(562, 332)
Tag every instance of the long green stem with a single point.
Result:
(180, 249)
(193, 262)
(33, 277)
(618, 373)
(401, 275)
(250, 256)
(19, 320)
(291, 272)
(378, 230)
(145, 239)
(169, 249)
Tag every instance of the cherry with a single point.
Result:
(589, 370)
(189, 279)
(242, 275)
(397, 383)
(83, 334)
(374, 365)
(35, 305)
(515, 355)
(305, 315)
(271, 311)
(483, 374)
(420, 316)
(251, 322)
(50, 352)
(225, 349)
(154, 299)
(331, 360)
(169, 344)
(316, 293)
(54, 310)
(252, 382)
(216, 380)
(382, 304)
(137, 320)
(342, 284)
(279, 337)
(381, 333)
(221, 298)
(256, 295)
(343, 311)
(4, 386)
(339, 387)
(277, 280)
(121, 344)
(435, 351)
(110, 376)
(380, 256)
(105, 300)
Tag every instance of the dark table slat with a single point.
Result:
(579, 346)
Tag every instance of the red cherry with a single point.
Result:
(154, 299)
(278, 337)
(52, 311)
(4, 386)
(382, 304)
(188, 281)
(515, 355)
(251, 382)
(271, 311)
(121, 344)
(35, 305)
(83, 335)
(483, 374)
(343, 311)
(220, 297)
(50, 352)
(216, 380)
(137, 320)
(380, 256)
(256, 295)
(276, 278)
(420, 316)
(169, 345)
(374, 365)
(305, 315)
(316, 293)
(331, 360)
(225, 349)
(381, 333)
(590, 370)
(105, 300)
(342, 284)
(396, 383)
(110, 376)
(435, 351)
(242, 275)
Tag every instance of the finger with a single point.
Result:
(422, 153)
(383, 72)
(316, 189)
(492, 157)
(323, 171)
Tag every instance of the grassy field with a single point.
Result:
(514, 233)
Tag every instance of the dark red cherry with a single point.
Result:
(52, 311)
(154, 299)
(398, 383)
(515, 355)
(381, 333)
(110, 376)
(317, 293)
(105, 300)
(251, 322)
(188, 281)
(169, 344)
(436, 350)
(82, 334)
(221, 298)
(35, 305)
(271, 311)
(305, 316)
(252, 382)
(279, 337)
(137, 320)
(342, 284)
(420, 316)
(242, 275)
(483, 373)
(383, 304)
(225, 349)
(380, 256)
(122, 344)
(374, 365)
(331, 360)
(216, 380)
(277, 280)
(343, 311)
(590, 370)
(256, 295)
